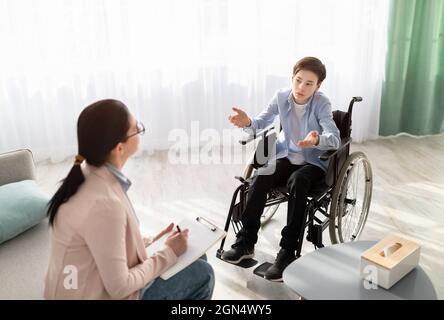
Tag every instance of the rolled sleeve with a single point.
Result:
(330, 136)
(265, 118)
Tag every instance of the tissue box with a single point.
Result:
(389, 260)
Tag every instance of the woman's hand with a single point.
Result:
(164, 232)
(149, 241)
(311, 140)
(240, 119)
(178, 241)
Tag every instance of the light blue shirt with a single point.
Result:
(123, 180)
(317, 115)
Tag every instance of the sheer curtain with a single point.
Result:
(173, 62)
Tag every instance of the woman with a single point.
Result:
(97, 249)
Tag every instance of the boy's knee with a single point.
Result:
(297, 182)
(262, 182)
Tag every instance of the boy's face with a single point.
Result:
(304, 84)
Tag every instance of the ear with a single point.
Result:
(318, 86)
(118, 149)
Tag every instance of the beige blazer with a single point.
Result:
(97, 251)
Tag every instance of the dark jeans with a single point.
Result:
(299, 179)
(196, 282)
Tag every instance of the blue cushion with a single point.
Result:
(22, 206)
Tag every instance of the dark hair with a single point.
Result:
(312, 64)
(100, 127)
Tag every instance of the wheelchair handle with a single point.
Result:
(353, 100)
(241, 179)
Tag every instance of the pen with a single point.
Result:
(178, 229)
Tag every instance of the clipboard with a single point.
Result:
(202, 235)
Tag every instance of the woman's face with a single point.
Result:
(132, 144)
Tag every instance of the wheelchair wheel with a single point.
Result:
(268, 214)
(268, 211)
(351, 199)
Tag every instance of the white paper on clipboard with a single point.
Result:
(202, 235)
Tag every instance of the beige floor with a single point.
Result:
(408, 199)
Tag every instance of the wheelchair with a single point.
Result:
(340, 203)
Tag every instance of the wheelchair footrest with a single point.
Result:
(260, 270)
(247, 263)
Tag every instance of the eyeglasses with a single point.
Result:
(140, 130)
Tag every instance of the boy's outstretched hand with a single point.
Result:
(240, 118)
(311, 140)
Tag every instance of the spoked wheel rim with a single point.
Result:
(351, 199)
(269, 211)
(268, 214)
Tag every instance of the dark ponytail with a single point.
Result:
(100, 127)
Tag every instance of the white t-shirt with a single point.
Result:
(295, 153)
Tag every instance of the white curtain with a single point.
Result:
(175, 61)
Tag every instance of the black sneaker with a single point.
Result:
(283, 259)
(238, 252)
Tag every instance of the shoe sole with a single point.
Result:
(247, 256)
(281, 279)
(275, 280)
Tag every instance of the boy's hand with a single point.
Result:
(311, 140)
(240, 119)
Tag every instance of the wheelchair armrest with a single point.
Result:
(330, 153)
(256, 135)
